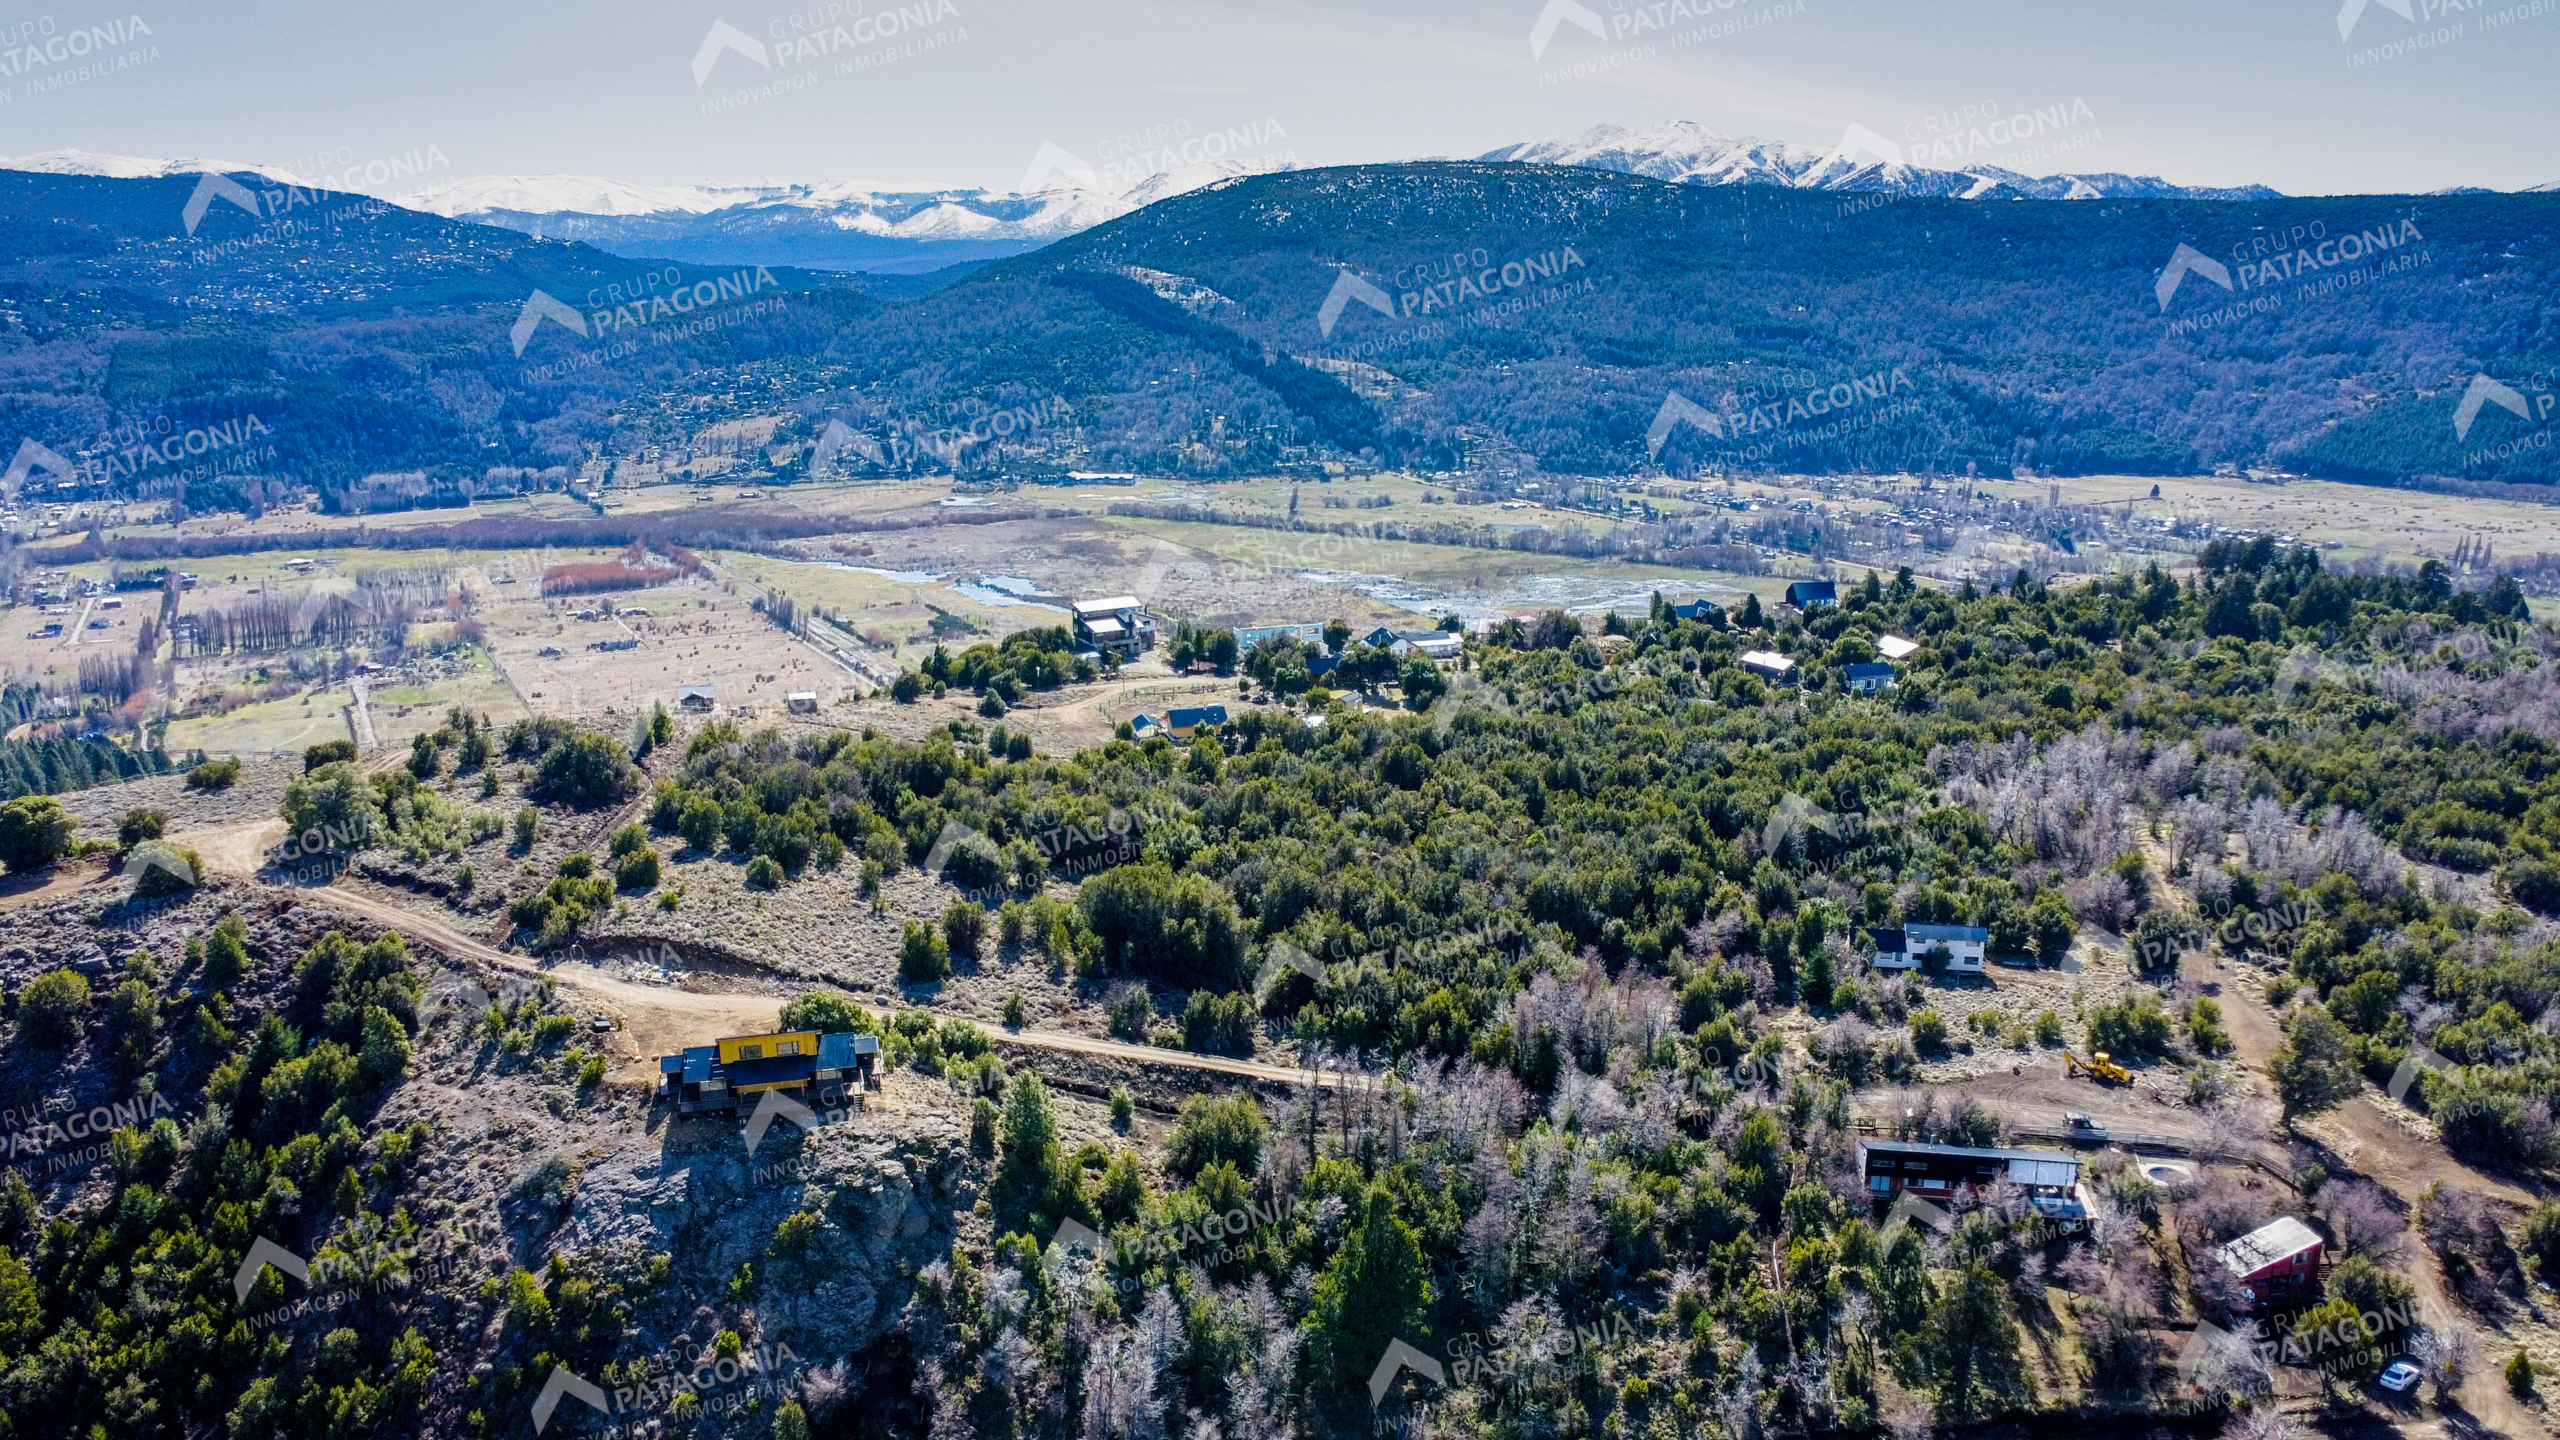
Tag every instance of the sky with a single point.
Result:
(966, 93)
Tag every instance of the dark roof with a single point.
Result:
(843, 1049)
(1978, 1152)
(1888, 941)
(1948, 932)
(1871, 670)
(1805, 591)
(699, 1062)
(1203, 715)
(743, 1073)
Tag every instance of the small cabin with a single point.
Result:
(1807, 594)
(1770, 665)
(698, 698)
(1868, 678)
(2276, 1263)
(1189, 722)
(802, 702)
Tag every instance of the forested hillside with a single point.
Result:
(1985, 335)
(1604, 906)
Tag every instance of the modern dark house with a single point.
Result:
(818, 1070)
(1908, 947)
(1806, 594)
(2050, 1178)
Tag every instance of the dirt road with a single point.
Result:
(662, 1019)
(2362, 1138)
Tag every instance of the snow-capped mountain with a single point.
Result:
(1686, 153)
(839, 225)
(131, 167)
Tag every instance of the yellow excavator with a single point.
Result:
(2097, 1067)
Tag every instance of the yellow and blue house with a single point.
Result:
(815, 1069)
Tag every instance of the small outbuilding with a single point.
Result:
(2277, 1263)
(699, 698)
(1769, 665)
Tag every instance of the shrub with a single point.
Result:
(2520, 1374)
(1124, 1107)
(528, 824)
(830, 1013)
(1221, 1024)
(923, 956)
(333, 810)
(1210, 1130)
(584, 771)
(140, 824)
(1928, 1031)
(159, 869)
(2133, 1028)
(1016, 1014)
(35, 831)
(964, 929)
(1130, 1010)
(327, 752)
(764, 873)
(629, 840)
(638, 870)
(2048, 1028)
(54, 1008)
(214, 775)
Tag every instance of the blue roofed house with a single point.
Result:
(1868, 678)
(1380, 638)
(1806, 594)
(1700, 610)
(1186, 723)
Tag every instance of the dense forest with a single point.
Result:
(1582, 906)
(1591, 926)
(1191, 338)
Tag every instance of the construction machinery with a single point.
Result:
(2097, 1067)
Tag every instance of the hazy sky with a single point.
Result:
(2224, 93)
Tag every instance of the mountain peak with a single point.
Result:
(1684, 152)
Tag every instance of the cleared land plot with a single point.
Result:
(696, 633)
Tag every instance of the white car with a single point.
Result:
(2399, 1375)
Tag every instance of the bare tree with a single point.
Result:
(2361, 1220)
(2444, 1355)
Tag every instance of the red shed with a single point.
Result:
(2277, 1262)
